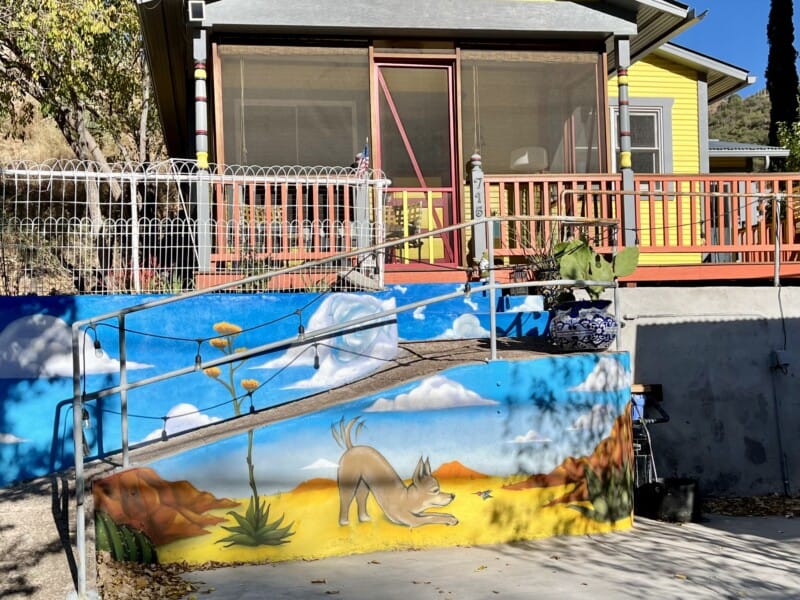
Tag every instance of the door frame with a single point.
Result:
(449, 62)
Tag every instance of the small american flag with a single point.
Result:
(362, 160)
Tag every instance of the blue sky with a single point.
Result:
(734, 31)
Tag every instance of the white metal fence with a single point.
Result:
(72, 227)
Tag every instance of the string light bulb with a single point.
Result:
(198, 360)
(316, 357)
(98, 348)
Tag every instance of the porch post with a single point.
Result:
(623, 51)
(201, 148)
(478, 206)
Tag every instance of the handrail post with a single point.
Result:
(776, 217)
(492, 296)
(77, 437)
(123, 392)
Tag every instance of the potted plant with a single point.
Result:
(543, 265)
(587, 325)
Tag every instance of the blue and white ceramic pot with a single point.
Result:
(583, 325)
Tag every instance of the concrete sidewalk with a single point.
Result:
(721, 557)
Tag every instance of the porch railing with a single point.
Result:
(73, 228)
(688, 227)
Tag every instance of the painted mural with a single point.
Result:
(477, 454)
(36, 386)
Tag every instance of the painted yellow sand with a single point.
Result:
(503, 516)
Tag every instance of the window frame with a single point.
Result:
(661, 110)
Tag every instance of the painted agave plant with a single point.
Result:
(254, 528)
(610, 493)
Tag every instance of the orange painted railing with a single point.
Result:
(688, 227)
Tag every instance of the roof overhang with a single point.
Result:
(658, 21)
(723, 79)
(464, 19)
(724, 149)
(167, 44)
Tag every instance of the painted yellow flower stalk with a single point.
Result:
(253, 528)
(226, 345)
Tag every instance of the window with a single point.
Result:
(651, 151)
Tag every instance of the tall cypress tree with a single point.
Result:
(781, 74)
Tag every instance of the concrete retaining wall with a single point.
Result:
(735, 415)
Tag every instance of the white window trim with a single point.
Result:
(662, 109)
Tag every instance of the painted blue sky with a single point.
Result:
(734, 31)
(498, 419)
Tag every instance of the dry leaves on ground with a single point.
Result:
(755, 506)
(125, 580)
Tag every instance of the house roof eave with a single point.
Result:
(727, 149)
(723, 78)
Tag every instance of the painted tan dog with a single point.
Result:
(362, 470)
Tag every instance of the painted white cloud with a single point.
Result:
(347, 357)
(10, 438)
(530, 438)
(419, 313)
(183, 417)
(599, 417)
(465, 326)
(400, 288)
(531, 304)
(321, 463)
(608, 375)
(41, 346)
(434, 393)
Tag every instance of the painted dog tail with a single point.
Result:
(341, 431)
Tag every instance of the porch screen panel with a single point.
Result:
(533, 112)
(294, 105)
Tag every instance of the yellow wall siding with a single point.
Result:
(656, 77)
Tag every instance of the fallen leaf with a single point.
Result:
(319, 581)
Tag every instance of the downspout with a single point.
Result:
(623, 51)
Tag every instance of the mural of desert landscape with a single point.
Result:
(509, 450)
